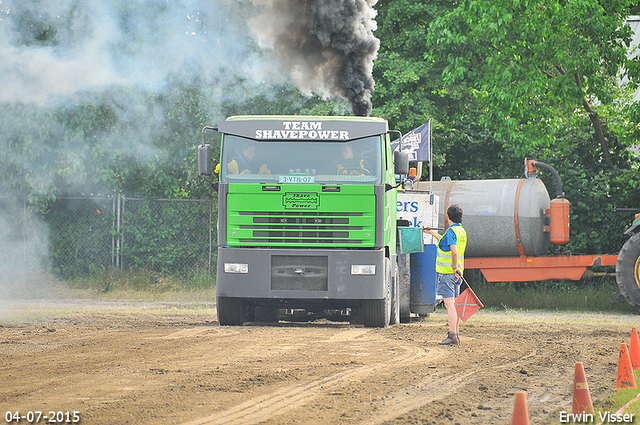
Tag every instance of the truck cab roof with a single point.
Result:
(300, 127)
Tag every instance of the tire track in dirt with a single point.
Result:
(266, 406)
(405, 400)
(195, 332)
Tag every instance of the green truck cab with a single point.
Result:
(307, 217)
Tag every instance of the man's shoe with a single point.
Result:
(452, 339)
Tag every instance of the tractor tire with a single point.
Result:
(628, 270)
(231, 311)
(377, 313)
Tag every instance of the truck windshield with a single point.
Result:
(325, 162)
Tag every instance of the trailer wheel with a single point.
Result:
(231, 311)
(628, 270)
(377, 313)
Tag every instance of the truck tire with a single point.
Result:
(628, 270)
(395, 298)
(356, 317)
(231, 311)
(266, 314)
(377, 313)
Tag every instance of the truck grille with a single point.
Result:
(299, 273)
(294, 228)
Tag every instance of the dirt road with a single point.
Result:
(145, 363)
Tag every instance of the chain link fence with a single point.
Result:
(23, 241)
(79, 236)
(174, 235)
(82, 235)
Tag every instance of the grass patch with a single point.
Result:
(622, 401)
(520, 316)
(143, 284)
(132, 284)
(619, 402)
(31, 311)
(597, 295)
(42, 296)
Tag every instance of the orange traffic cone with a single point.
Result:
(634, 349)
(626, 379)
(581, 397)
(520, 413)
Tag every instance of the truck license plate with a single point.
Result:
(297, 179)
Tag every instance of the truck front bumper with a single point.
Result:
(300, 274)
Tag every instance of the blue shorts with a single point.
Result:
(448, 285)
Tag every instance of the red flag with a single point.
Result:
(467, 304)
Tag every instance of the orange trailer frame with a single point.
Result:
(525, 269)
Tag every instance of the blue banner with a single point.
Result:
(416, 142)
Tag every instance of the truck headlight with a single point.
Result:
(363, 269)
(236, 268)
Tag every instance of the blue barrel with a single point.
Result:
(423, 280)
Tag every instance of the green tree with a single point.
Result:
(409, 91)
(531, 64)
(504, 80)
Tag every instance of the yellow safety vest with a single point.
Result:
(234, 169)
(343, 170)
(444, 262)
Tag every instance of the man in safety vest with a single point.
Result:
(349, 163)
(449, 267)
(247, 162)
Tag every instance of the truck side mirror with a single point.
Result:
(401, 162)
(204, 160)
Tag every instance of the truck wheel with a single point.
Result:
(356, 316)
(266, 314)
(628, 270)
(377, 313)
(231, 311)
(395, 299)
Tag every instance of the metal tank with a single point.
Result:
(498, 214)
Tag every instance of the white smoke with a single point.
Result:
(97, 44)
(24, 253)
(124, 54)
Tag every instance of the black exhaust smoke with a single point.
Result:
(327, 46)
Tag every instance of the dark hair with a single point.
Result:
(455, 213)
